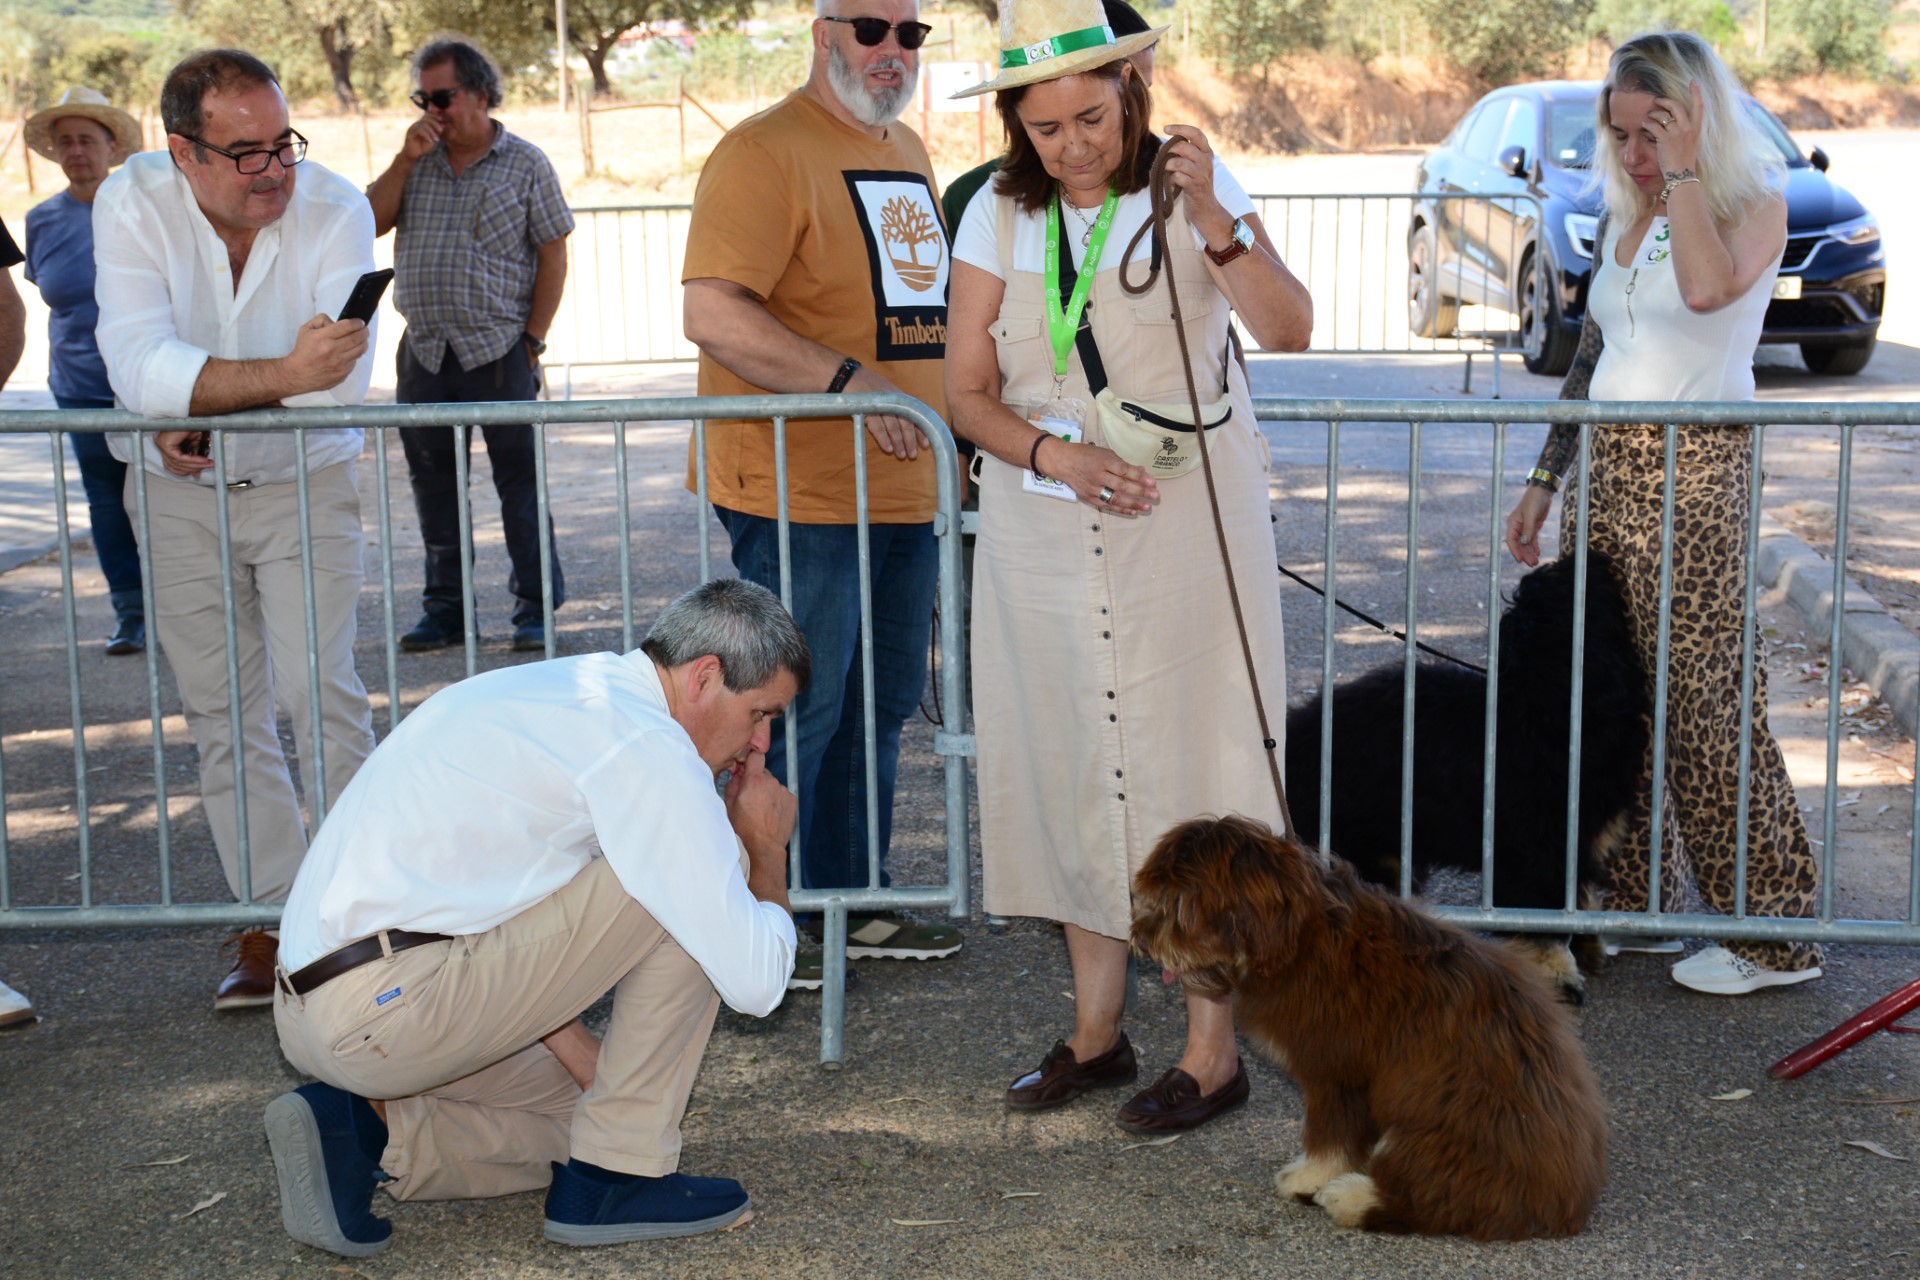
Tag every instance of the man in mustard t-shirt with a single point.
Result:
(817, 261)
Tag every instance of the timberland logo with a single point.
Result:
(906, 227)
(916, 332)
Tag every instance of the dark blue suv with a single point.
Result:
(1499, 249)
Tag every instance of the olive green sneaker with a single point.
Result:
(809, 971)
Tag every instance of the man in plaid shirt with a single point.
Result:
(479, 265)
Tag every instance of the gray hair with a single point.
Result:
(199, 74)
(472, 67)
(742, 624)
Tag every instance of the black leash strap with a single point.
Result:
(1378, 625)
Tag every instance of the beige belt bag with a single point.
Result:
(1160, 437)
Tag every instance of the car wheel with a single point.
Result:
(1549, 346)
(1840, 361)
(1430, 313)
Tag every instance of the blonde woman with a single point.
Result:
(1684, 263)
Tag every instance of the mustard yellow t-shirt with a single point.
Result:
(839, 234)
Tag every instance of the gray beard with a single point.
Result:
(874, 108)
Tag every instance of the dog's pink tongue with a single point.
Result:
(1168, 977)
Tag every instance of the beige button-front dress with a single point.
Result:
(1111, 700)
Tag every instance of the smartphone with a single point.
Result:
(366, 295)
(197, 443)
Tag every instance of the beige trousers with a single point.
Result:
(270, 622)
(449, 1034)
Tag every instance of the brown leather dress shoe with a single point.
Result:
(1174, 1103)
(1061, 1078)
(249, 983)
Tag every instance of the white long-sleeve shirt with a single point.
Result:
(499, 790)
(168, 302)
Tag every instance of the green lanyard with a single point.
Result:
(1063, 325)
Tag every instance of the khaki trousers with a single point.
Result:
(449, 1034)
(270, 617)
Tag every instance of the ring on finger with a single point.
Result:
(1106, 494)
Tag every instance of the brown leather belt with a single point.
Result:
(353, 955)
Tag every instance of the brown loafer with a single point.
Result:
(1174, 1103)
(1061, 1078)
(250, 983)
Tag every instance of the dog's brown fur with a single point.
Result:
(1445, 1090)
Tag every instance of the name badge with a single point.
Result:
(1067, 429)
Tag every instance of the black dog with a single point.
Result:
(1530, 770)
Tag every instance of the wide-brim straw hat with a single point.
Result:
(1049, 39)
(88, 104)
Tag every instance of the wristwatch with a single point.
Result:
(536, 345)
(1240, 241)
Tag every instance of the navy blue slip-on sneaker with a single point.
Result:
(326, 1175)
(584, 1210)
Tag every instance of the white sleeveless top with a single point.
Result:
(1657, 349)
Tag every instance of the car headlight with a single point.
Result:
(1581, 228)
(1861, 230)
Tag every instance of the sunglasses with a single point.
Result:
(871, 31)
(441, 98)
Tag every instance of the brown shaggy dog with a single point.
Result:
(1444, 1088)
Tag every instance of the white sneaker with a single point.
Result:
(15, 1009)
(1719, 972)
(1615, 943)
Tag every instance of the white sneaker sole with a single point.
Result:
(1744, 986)
(857, 952)
(628, 1232)
(306, 1205)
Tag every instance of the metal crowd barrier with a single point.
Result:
(950, 896)
(623, 300)
(1590, 416)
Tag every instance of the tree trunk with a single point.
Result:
(339, 50)
(596, 57)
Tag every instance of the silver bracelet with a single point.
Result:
(1674, 180)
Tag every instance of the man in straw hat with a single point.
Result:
(219, 280)
(1111, 698)
(816, 262)
(86, 136)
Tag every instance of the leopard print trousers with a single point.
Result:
(1713, 472)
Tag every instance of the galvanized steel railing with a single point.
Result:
(952, 896)
(1589, 416)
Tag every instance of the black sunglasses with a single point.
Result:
(289, 153)
(871, 31)
(441, 98)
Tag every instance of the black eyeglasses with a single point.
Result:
(288, 154)
(441, 98)
(871, 31)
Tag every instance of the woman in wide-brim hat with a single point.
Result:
(1111, 699)
(86, 136)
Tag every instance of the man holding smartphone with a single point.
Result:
(481, 260)
(219, 277)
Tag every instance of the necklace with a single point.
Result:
(1086, 223)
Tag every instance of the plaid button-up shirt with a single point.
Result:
(466, 249)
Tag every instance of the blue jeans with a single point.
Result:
(831, 782)
(104, 477)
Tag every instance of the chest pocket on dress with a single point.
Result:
(1008, 330)
(1196, 302)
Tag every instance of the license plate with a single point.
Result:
(1787, 287)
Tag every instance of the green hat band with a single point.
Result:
(1055, 46)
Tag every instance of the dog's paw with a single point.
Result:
(1303, 1178)
(1553, 961)
(1348, 1199)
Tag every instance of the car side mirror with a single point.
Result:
(1513, 161)
(1819, 160)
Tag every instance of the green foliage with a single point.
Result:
(1845, 36)
(1618, 21)
(1501, 41)
(1248, 38)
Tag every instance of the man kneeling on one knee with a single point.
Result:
(524, 841)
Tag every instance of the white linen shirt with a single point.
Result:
(499, 790)
(168, 303)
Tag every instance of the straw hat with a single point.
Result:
(88, 104)
(1049, 39)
